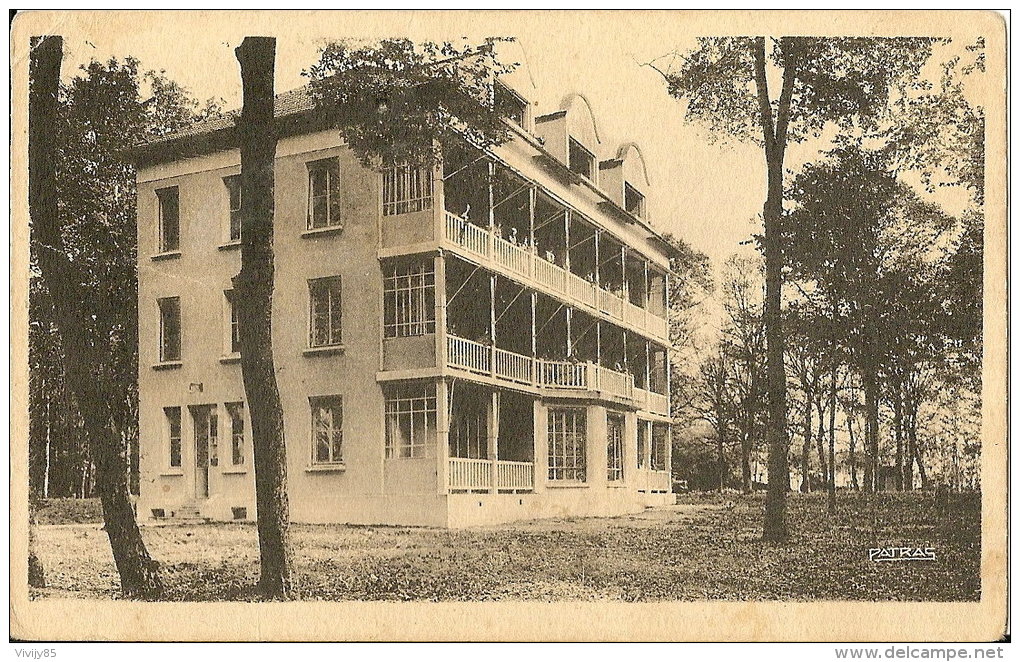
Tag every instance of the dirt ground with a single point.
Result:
(706, 548)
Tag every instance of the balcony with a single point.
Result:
(540, 373)
(526, 266)
(472, 474)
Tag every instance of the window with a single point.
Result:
(233, 184)
(567, 444)
(642, 444)
(633, 201)
(614, 448)
(660, 441)
(173, 433)
(409, 298)
(325, 313)
(327, 429)
(233, 339)
(510, 105)
(406, 190)
(169, 329)
(169, 219)
(410, 419)
(235, 410)
(324, 194)
(580, 160)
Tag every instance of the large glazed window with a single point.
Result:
(567, 444)
(233, 186)
(660, 442)
(633, 200)
(409, 290)
(614, 448)
(410, 419)
(235, 410)
(406, 189)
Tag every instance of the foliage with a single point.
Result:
(104, 110)
(394, 101)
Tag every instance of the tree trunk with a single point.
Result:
(805, 453)
(852, 453)
(897, 402)
(745, 461)
(871, 396)
(910, 441)
(832, 439)
(823, 463)
(139, 574)
(253, 288)
(774, 525)
(36, 572)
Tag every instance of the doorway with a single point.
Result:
(206, 430)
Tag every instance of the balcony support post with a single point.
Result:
(532, 200)
(493, 442)
(492, 324)
(491, 212)
(566, 241)
(534, 335)
(442, 436)
(439, 263)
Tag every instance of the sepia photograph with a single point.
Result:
(545, 325)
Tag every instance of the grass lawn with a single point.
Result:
(706, 548)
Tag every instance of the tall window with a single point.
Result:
(169, 219)
(325, 312)
(567, 444)
(410, 419)
(233, 184)
(324, 194)
(235, 410)
(580, 160)
(614, 448)
(327, 429)
(169, 329)
(233, 339)
(660, 440)
(642, 444)
(406, 189)
(173, 433)
(409, 290)
(633, 201)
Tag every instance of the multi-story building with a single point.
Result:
(480, 342)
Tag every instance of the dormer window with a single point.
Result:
(510, 105)
(633, 200)
(581, 161)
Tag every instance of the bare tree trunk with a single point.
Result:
(871, 426)
(823, 463)
(745, 461)
(897, 402)
(139, 574)
(36, 572)
(852, 452)
(774, 526)
(805, 453)
(254, 296)
(832, 438)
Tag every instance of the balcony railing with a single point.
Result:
(471, 474)
(502, 364)
(527, 264)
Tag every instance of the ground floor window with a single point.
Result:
(236, 412)
(660, 443)
(614, 448)
(642, 444)
(327, 429)
(410, 419)
(173, 431)
(567, 444)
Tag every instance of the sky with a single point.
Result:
(708, 194)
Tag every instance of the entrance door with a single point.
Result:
(205, 425)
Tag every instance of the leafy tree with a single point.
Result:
(840, 82)
(82, 204)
